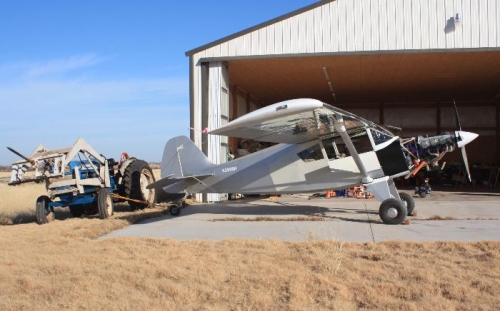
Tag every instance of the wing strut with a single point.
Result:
(340, 128)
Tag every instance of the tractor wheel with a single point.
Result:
(44, 214)
(409, 202)
(393, 211)
(104, 203)
(137, 176)
(76, 210)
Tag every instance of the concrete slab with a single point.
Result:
(470, 217)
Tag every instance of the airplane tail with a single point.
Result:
(181, 158)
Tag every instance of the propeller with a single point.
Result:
(463, 138)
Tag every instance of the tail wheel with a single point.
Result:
(44, 214)
(175, 210)
(104, 203)
(393, 211)
(409, 202)
(138, 175)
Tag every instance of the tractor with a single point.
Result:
(84, 180)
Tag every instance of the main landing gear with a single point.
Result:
(395, 206)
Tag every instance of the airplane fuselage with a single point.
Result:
(287, 168)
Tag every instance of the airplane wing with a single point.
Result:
(292, 121)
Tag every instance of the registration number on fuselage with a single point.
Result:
(229, 169)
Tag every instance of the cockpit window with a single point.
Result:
(311, 154)
(379, 136)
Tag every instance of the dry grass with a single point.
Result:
(62, 266)
(17, 204)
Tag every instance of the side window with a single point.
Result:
(311, 154)
(361, 141)
(334, 148)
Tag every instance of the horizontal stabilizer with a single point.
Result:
(168, 181)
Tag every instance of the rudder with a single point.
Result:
(181, 158)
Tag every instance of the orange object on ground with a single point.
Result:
(418, 168)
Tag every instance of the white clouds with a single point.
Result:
(41, 104)
(28, 70)
(62, 65)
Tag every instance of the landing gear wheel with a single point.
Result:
(104, 203)
(44, 214)
(423, 194)
(409, 202)
(175, 210)
(393, 211)
(137, 176)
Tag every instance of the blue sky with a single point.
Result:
(112, 72)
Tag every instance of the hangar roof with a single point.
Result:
(373, 51)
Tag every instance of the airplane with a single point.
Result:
(320, 147)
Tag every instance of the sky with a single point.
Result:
(112, 72)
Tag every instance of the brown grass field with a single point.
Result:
(62, 265)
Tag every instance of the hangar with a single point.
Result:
(399, 63)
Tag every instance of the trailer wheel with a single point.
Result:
(410, 202)
(44, 214)
(104, 203)
(393, 211)
(137, 176)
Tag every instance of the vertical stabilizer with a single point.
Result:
(181, 158)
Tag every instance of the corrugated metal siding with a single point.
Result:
(218, 114)
(372, 25)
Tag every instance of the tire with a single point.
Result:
(409, 201)
(104, 203)
(175, 210)
(423, 194)
(392, 211)
(44, 214)
(136, 177)
(76, 210)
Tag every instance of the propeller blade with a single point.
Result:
(466, 163)
(457, 116)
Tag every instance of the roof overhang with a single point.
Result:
(371, 77)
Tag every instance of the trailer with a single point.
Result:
(84, 180)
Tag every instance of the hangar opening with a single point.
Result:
(398, 64)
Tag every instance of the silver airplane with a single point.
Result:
(320, 147)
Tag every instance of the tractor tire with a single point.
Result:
(137, 176)
(76, 210)
(393, 211)
(409, 201)
(44, 214)
(105, 203)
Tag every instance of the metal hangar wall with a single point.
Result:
(395, 62)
